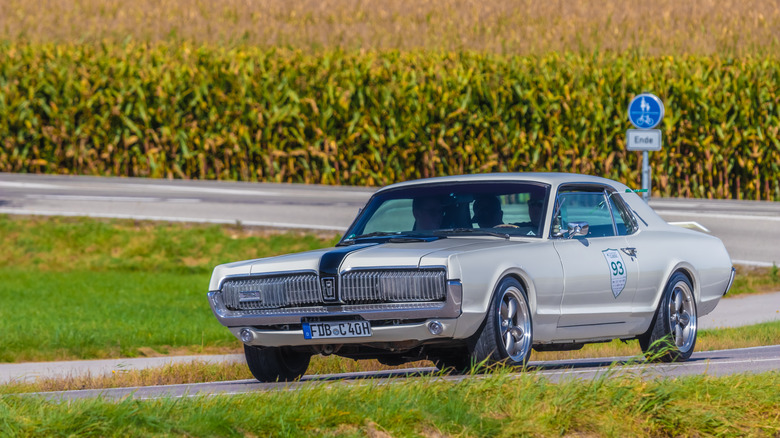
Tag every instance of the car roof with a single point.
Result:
(552, 178)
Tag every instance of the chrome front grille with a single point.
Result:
(272, 292)
(355, 288)
(392, 286)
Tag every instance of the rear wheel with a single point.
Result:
(276, 364)
(507, 336)
(672, 336)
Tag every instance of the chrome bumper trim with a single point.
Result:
(731, 280)
(450, 308)
(384, 334)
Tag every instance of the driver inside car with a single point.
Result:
(487, 211)
(428, 213)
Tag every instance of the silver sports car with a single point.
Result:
(478, 269)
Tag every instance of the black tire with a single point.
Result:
(507, 335)
(276, 364)
(672, 335)
(456, 362)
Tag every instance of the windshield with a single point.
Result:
(508, 208)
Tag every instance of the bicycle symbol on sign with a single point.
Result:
(645, 120)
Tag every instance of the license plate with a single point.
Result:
(336, 329)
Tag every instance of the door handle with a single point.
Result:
(629, 251)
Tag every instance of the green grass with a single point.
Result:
(66, 244)
(498, 405)
(750, 280)
(84, 288)
(85, 315)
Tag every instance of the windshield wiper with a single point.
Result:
(352, 240)
(472, 231)
(376, 234)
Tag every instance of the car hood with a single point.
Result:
(414, 254)
(369, 255)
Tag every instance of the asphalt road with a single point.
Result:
(749, 229)
(713, 363)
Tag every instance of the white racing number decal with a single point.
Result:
(617, 270)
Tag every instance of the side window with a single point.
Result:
(590, 207)
(623, 220)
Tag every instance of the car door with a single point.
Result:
(600, 273)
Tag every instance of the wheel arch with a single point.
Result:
(475, 314)
(689, 272)
(525, 280)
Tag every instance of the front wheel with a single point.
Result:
(507, 336)
(672, 336)
(276, 364)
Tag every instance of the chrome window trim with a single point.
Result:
(621, 204)
(607, 195)
(358, 223)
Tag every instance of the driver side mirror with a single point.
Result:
(578, 229)
(574, 229)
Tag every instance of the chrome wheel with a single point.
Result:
(682, 317)
(672, 335)
(515, 324)
(507, 334)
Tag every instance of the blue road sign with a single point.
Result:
(646, 111)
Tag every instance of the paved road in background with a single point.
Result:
(712, 363)
(749, 229)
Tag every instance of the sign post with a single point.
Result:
(645, 112)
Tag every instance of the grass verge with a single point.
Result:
(92, 315)
(67, 244)
(89, 289)
(497, 405)
(751, 279)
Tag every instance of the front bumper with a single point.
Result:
(417, 332)
(450, 308)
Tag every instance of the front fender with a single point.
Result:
(536, 266)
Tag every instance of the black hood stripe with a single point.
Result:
(331, 260)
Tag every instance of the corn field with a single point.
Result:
(377, 117)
